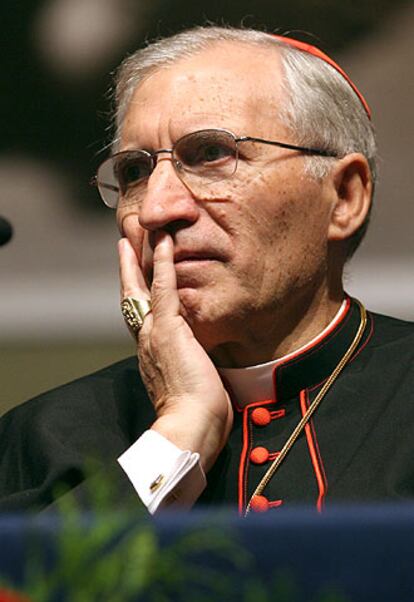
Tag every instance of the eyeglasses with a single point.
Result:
(200, 159)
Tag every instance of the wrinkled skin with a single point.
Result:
(240, 274)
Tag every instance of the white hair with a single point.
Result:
(322, 111)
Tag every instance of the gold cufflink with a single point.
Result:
(156, 484)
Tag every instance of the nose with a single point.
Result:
(168, 203)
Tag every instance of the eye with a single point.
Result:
(131, 169)
(205, 148)
(213, 152)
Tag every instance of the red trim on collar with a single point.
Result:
(310, 345)
(253, 404)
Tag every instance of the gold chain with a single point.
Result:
(312, 408)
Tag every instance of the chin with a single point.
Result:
(194, 308)
(198, 308)
(207, 317)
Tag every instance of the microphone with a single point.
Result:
(6, 231)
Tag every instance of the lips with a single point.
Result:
(196, 255)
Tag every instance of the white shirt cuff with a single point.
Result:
(162, 474)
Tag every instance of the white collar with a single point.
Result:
(255, 383)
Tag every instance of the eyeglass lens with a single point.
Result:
(199, 158)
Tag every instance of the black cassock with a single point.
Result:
(359, 446)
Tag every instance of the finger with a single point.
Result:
(164, 293)
(131, 278)
(133, 283)
(135, 231)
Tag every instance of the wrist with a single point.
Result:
(205, 436)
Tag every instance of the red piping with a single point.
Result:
(317, 467)
(243, 461)
(310, 345)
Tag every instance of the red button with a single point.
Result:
(259, 455)
(261, 417)
(259, 503)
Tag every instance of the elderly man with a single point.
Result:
(242, 175)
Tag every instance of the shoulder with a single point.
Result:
(48, 440)
(392, 333)
(112, 400)
(386, 358)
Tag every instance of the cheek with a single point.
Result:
(261, 216)
(280, 222)
(294, 207)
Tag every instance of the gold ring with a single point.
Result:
(134, 312)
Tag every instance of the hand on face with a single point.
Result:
(192, 406)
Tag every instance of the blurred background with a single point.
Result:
(59, 315)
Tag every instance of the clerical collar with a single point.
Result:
(256, 383)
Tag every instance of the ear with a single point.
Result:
(352, 181)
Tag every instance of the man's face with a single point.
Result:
(259, 243)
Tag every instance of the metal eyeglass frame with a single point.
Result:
(154, 155)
